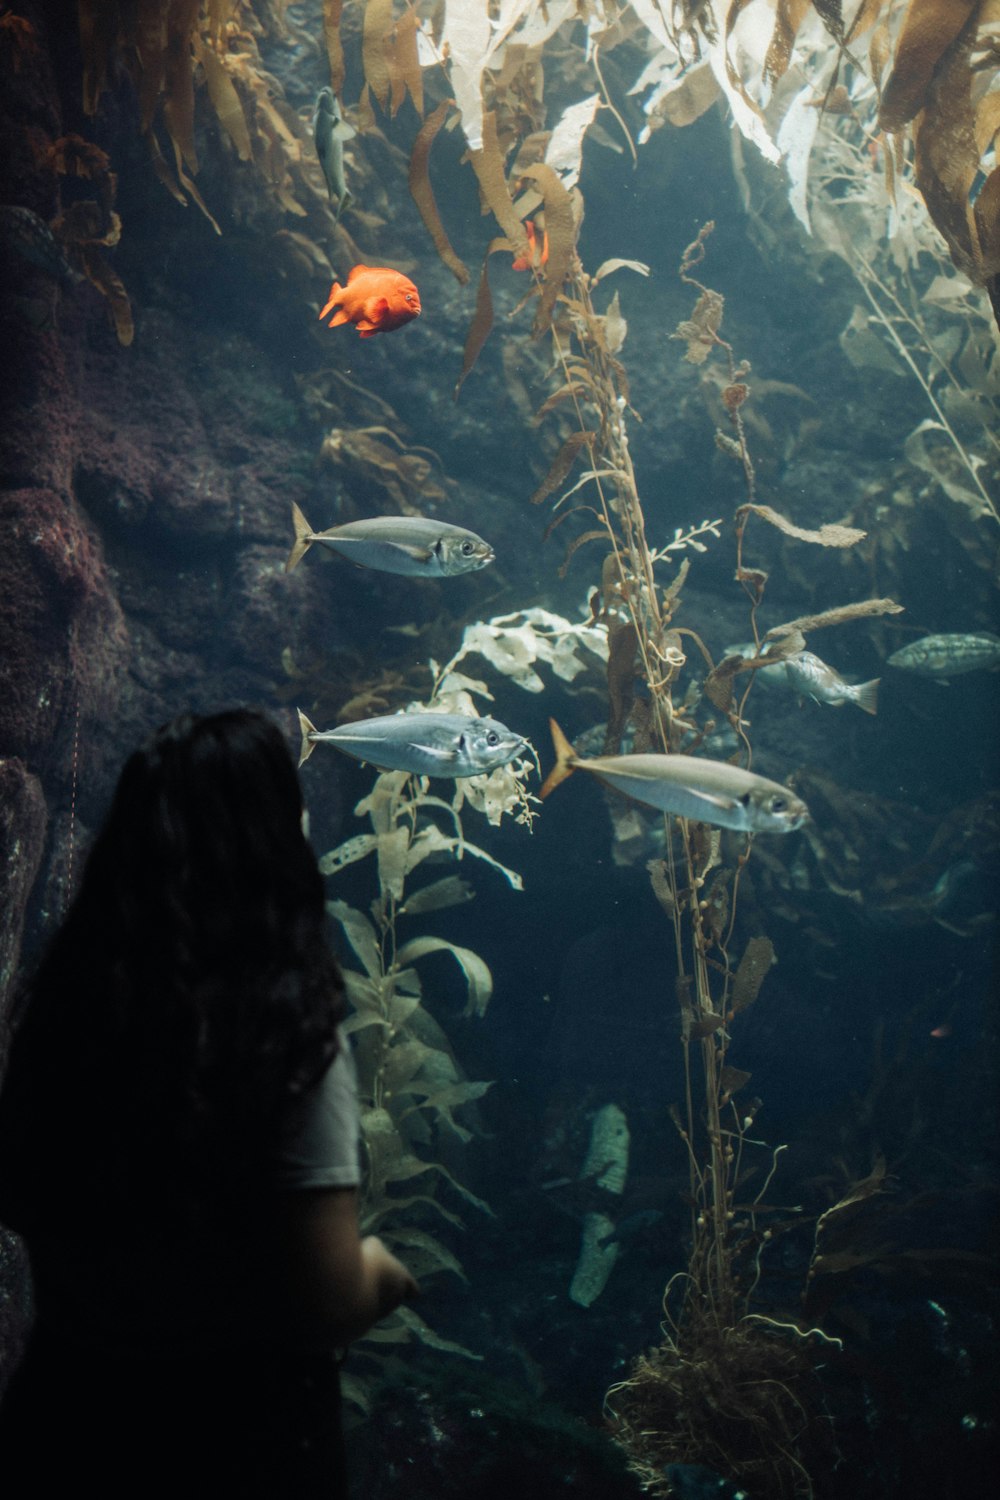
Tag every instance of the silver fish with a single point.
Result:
(412, 545)
(22, 231)
(330, 131)
(427, 744)
(947, 656)
(810, 675)
(707, 791)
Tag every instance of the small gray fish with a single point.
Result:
(411, 545)
(707, 791)
(330, 131)
(945, 656)
(22, 231)
(811, 676)
(427, 744)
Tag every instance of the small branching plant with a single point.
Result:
(412, 1087)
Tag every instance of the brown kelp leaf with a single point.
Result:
(607, 267)
(334, 44)
(564, 515)
(377, 26)
(564, 393)
(404, 64)
(151, 47)
(718, 685)
(847, 1207)
(928, 31)
(838, 616)
(660, 881)
(694, 93)
(600, 535)
(482, 318)
(623, 641)
(700, 331)
(703, 1025)
(487, 163)
(561, 230)
(946, 164)
(736, 9)
(788, 17)
(987, 124)
(162, 169)
(189, 187)
(758, 957)
(178, 105)
(731, 1080)
(714, 908)
(673, 589)
(829, 535)
(865, 17)
(98, 28)
(225, 99)
(423, 194)
(561, 465)
(879, 53)
(110, 284)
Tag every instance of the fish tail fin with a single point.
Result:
(308, 745)
(303, 538)
(524, 262)
(332, 300)
(866, 696)
(564, 760)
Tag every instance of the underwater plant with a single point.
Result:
(410, 1082)
(727, 1385)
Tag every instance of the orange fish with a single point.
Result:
(525, 262)
(375, 300)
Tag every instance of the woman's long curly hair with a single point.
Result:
(190, 996)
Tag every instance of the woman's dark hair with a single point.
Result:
(190, 995)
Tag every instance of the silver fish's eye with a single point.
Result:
(468, 548)
(492, 738)
(779, 804)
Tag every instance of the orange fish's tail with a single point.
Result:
(336, 292)
(566, 760)
(303, 538)
(533, 258)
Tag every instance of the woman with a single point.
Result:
(179, 1147)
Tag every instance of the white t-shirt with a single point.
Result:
(321, 1145)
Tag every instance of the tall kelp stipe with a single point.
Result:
(727, 1386)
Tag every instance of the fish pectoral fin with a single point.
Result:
(419, 554)
(343, 131)
(375, 310)
(720, 804)
(336, 292)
